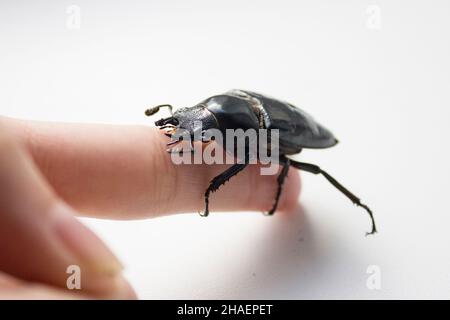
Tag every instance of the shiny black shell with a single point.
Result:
(238, 109)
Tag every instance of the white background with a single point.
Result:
(377, 73)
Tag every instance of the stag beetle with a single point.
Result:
(239, 109)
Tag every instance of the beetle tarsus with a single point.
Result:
(374, 228)
(206, 212)
(281, 177)
(220, 180)
(179, 152)
(312, 168)
(173, 142)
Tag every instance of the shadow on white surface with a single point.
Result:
(286, 255)
(289, 262)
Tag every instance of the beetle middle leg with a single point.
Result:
(220, 180)
(281, 177)
(312, 168)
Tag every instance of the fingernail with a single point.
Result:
(83, 243)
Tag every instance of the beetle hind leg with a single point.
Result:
(312, 168)
(281, 177)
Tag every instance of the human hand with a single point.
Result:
(51, 172)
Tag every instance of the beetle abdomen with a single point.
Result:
(297, 128)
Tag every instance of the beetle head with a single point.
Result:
(193, 121)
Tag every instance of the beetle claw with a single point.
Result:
(171, 143)
(180, 152)
(206, 212)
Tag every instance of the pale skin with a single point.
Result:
(51, 172)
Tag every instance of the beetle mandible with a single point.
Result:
(239, 109)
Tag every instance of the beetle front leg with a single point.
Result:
(281, 177)
(182, 150)
(220, 180)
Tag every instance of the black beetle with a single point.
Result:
(238, 109)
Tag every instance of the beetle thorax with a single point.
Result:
(195, 119)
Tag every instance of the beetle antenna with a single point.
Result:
(152, 111)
